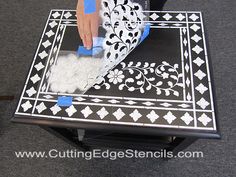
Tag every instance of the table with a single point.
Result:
(166, 89)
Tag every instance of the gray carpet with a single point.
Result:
(21, 25)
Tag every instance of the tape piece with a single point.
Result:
(89, 6)
(65, 101)
(145, 32)
(83, 51)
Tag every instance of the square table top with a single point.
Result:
(166, 87)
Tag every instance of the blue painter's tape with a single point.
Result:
(145, 32)
(83, 51)
(64, 101)
(89, 6)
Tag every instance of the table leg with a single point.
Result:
(81, 133)
(6, 97)
(180, 144)
(67, 136)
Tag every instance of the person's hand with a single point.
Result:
(87, 23)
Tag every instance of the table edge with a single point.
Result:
(158, 131)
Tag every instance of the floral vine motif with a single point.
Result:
(123, 21)
(162, 78)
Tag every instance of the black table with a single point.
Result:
(165, 100)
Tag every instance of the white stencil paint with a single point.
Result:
(73, 73)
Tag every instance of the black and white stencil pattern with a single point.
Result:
(168, 94)
(123, 21)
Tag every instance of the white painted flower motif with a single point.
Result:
(165, 75)
(115, 76)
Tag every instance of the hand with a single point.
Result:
(87, 23)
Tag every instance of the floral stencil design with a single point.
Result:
(144, 77)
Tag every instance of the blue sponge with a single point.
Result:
(96, 49)
(83, 51)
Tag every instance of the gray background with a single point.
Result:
(21, 24)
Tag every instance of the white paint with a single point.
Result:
(72, 73)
